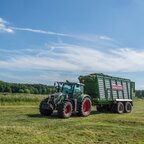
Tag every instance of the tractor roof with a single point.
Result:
(73, 83)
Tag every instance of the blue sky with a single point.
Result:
(46, 41)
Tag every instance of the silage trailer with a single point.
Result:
(109, 93)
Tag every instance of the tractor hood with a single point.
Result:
(55, 95)
(56, 98)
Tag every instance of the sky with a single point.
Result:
(42, 41)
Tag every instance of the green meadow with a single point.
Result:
(21, 123)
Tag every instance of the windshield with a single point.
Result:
(69, 88)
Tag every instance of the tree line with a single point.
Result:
(140, 93)
(25, 88)
(38, 89)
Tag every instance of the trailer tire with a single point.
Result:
(120, 107)
(65, 109)
(128, 107)
(44, 110)
(84, 108)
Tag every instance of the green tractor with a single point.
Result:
(68, 98)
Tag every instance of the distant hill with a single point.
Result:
(25, 88)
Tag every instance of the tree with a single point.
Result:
(27, 91)
(21, 91)
(7, 89)
(25, 88)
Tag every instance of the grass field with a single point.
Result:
(22, 124)
(20, 99)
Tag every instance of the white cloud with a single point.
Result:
(9, 29)
(105, 38)
(91, 37)
(88, 37)
(40, 31)
(132, 59)
(4, 27)
(73, 58)
(61, 61)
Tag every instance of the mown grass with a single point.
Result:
(22, 124)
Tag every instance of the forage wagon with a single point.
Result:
(109, 93)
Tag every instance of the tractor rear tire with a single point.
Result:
(65, 109)
(120, 107)
(45, 108)
(128, 107)
(84, 108)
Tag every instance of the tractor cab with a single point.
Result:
(69, 87)
(72, 89)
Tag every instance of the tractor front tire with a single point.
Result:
(65, 109)
(45, 108)
(84, 108)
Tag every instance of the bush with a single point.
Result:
(27, 91)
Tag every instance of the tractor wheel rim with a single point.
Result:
(67, 109)
(86, 106)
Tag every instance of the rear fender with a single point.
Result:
(81, 97)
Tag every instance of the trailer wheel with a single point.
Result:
(45, 108)
(84, 107)
(65, 110)
(120, 107)
(128, 107)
